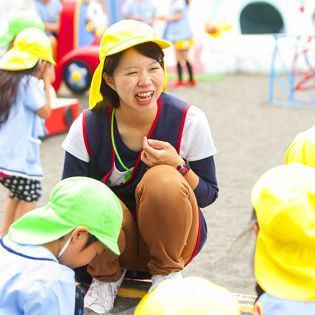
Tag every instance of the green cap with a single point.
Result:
(73, 202)
(22, 20)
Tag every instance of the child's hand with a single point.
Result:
(49, 73)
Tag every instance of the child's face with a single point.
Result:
(77, 254)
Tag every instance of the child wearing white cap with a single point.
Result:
(23, 105)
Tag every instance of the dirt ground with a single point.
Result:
(251, 136)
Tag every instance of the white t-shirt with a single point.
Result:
(196, 143)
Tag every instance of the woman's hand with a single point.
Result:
(156, 152)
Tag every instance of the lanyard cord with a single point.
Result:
(114, 145)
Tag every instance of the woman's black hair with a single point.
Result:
(9, 83)
(110, 97)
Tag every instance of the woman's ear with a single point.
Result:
(109, 81)
(79, 232)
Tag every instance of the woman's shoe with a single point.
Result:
(159, 278)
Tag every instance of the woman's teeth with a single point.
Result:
(144, 95)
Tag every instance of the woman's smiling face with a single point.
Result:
(138, 80)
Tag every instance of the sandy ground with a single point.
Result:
(251, 137)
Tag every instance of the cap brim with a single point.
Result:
(43, 225)
(39, 226)
(15, 60)
(279, 274)
(137, 41)
(109, 243)
(95, 95)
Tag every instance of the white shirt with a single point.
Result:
(196, 144)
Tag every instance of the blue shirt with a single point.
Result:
(143, 10)
(271, 305)
(19, 135)
(49, 12)
(30, 286)
(180, 29)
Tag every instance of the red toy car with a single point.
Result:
(75, 63)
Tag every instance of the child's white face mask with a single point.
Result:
(64, 247)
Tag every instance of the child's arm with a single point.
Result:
(47, 73)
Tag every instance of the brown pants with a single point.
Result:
(162, 237)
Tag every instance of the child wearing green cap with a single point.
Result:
(153, 150)
(24, 103)
(284, 202)
(82, 219)
(17, 23)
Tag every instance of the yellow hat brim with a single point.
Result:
(15, 60)
(95, 95)
(285, 270)
(302, 148)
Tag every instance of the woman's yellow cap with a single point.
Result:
(119, 37)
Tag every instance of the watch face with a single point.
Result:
(183, 169)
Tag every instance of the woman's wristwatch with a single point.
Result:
(183, 169)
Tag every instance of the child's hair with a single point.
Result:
(91, 239)
(148, 49)
(9, 83)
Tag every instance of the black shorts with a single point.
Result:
(21, 188)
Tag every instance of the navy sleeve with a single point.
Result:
(73, 166)
(207, 190)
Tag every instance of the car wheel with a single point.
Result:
(77, 76)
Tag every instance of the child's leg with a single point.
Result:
(22, 208)
(179, 71)
(9, 215)
(190, 71)
(23, 194)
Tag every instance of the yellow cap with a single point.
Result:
(302, 148)
(284, 201)
(119, 37)
(29, 47)
(188, 296)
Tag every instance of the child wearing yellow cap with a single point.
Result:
(180, 297)
(152, 149)
(302, 148)
(23, 104)
(81, 220)
(284, 202)
(17, 23)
